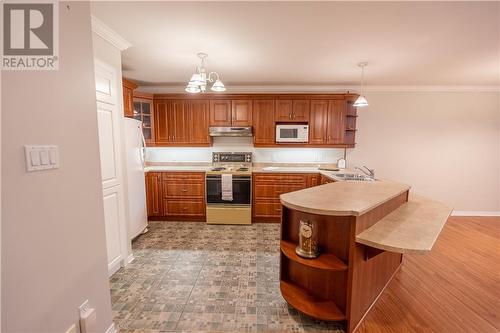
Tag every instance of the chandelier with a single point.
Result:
(198, 82)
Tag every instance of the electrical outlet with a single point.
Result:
(72, 329)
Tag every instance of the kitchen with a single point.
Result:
(255, 167)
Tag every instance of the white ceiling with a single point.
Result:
(298, 43)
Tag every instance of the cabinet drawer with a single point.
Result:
(280, 177)
(274, 191)
(267, 209)
(179, 189)
(184, 176)
(184, 207)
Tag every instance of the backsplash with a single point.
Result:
(260, 155)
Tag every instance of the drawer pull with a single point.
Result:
(185, 208)
(277, 209)
(184, 190)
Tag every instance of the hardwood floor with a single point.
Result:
(455, 288)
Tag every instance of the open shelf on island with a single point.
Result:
(325, 261)
(309, 304)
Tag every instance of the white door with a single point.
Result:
(108, 118)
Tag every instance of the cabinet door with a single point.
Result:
(153, 194)
(336, 121)
(220, 113)
(178, 121)
(300, 110)
(164, 122)
(318, 121)
(241, 112)
(284, 110)
(128, 107)
(263, 121)
(197, 120)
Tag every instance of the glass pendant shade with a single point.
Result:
(192, 88)
(218, 86)
(196, 79)
(361, 101)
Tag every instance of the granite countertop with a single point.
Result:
(343, 198)
(267, 168)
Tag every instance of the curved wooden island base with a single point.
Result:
(348, 277)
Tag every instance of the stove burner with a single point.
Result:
(218, 169)
(242, 169)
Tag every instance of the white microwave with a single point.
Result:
(292, 133)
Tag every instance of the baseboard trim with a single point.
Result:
(130, 258)
(474, 213)
(114, 266)
(112, 328)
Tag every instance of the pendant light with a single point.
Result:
(361, 100)
(199, 79)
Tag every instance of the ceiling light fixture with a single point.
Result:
(198, 82)
(361, 100)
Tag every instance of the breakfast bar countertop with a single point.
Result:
(343, 198)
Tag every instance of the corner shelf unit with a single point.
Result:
(325, 261)
(310, 305)
(315, 287)
(350, 123)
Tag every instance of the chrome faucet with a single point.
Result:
(367, 171)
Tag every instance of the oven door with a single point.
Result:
(242, 189)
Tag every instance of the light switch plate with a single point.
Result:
(41, 157)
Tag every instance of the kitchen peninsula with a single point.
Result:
(362, 230)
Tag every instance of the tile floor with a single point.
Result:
(194, 277)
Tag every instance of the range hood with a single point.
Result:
(230, 131)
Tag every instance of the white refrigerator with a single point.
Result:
(134, 148)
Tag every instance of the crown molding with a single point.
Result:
(108, 34)
(328, 88)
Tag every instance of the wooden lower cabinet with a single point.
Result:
(267, 188)
(180, 196)
(176, 196)
(154, 194)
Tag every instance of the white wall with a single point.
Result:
(444, 144)
(53, 243)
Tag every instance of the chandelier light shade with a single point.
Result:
(199, 79)
(361, 100)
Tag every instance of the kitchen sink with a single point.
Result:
(351, 176)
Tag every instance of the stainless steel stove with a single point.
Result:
(237, 210)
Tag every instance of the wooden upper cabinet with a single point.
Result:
(300, 109)
(143, 111)
(292, 110)
(241, 112)
(284, 110)
(236, 112)
(182, 122)
(220, 113)
(162, 133)
(318, 121)
(128, 97)
(197, 120)
(263, 122)
(336, 121)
